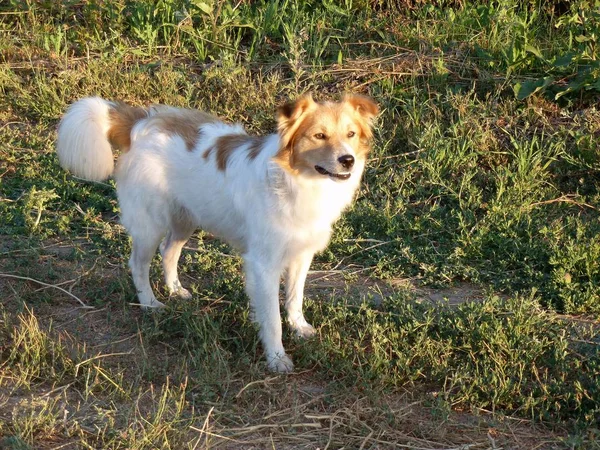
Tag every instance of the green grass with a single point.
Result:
(484, 173)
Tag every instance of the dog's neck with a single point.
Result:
(311, 202)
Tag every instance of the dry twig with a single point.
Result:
(17, 277)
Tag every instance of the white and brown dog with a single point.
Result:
(274, 198)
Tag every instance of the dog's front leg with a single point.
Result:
(295, 277)
(262, 287)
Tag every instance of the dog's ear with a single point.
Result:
(366, 109)
(289, 115)
(293, 110)
(365, 106)
(289, 119)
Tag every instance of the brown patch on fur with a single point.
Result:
(289, 117)
(256, 147)
(363, 105)
(227, 144)
(122, 118)
(289, 121)
(182, 122)
(367, 110)
(287, 158)
(284, 158)
(364, 148)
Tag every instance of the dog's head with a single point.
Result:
(325, 140)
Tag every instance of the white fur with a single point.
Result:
(81, 144)
(277, 221)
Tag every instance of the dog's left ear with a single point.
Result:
(365, 106)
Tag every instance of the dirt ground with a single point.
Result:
(113, 333)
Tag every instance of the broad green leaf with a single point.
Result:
(533, 50)
(203, 6)
(527, 88)
(564, 60)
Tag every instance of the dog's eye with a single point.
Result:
(351, 134)
(320, 136)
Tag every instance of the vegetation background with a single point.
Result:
(457, 305)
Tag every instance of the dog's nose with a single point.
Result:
(347, 161)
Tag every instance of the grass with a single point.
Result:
(484, 178)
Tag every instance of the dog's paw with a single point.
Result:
(183, 293)
(305, 331)
(152, 305)
(177, 290)
(302, 328)
(280, 363)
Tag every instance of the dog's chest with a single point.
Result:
(309, 214)
(320, 205)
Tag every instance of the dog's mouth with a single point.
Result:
(339, 176)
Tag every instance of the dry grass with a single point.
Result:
(107, 399)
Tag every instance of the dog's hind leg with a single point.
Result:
(295, 277)
(144, 248)
(170, 249)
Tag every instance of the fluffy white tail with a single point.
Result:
(82, 145)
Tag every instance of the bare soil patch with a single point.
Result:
(298, 411)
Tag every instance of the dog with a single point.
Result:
(273, 198)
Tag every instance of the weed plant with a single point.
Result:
(484, 172)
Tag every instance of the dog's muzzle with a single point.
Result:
(339, 176)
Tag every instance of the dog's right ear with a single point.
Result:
(289, 117)
(293, 110)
